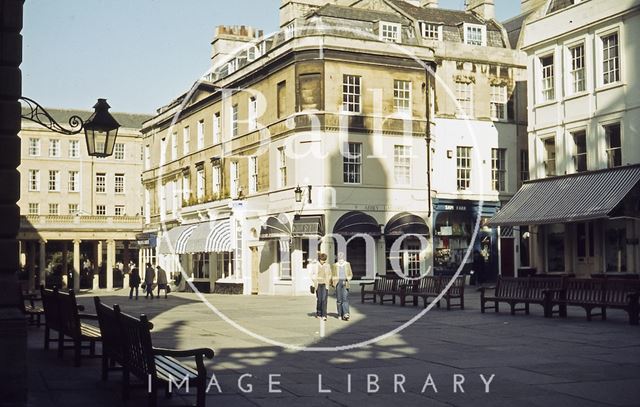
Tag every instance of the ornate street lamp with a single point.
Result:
(100, 129)
(298, 193)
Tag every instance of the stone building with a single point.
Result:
(334, 107)
(581, 209)
(78, 214)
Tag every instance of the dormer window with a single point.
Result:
(431, 31)
(390, 32)
(475, 34)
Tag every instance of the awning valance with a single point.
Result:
(569, 198)
(406, 223)
(308, 225)
(356, 222)
(174, 240)
(276, 228)
(210, 237)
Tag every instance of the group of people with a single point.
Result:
(324, 276)
(149, 279)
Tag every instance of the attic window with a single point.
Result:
(431, 31)
(475, 34)
(389, 32)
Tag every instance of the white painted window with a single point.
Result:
(101, 210)
(54, 180)
(174, 146)
(147, 156)
(549, 156)
(352, 164)
(34, 180)
(498, 169)
(253, 113)
(390, 32)
(610, 59)
(475, 34)
(579, 150)
(614, 145)
(547, 78)
(351, 93)
(217, 179)
(73, 208)
(524, 165)
(464, 96)
(74, 181)
(402, 164)
(463, 164)
(34, 208)
(499, 102)
(253, 174)
(163, 151)
(402, 96)
(186, 140)
(74, 148)
(577, 73)
(234, 120)
(101, 182)
(234, 178)
(54, 148)
(200, 181)
(200, 131)
(54, 209)
(282, 167)
(34, 147)
(118, 151)
(186, 187)
(216, 127)
(289, 30)
(118, 210)
(118, 184)
(431, 31)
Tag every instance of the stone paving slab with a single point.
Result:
(536, 361)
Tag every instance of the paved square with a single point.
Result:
(536, 361)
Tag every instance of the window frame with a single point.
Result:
(351, 89)
(499, 97)
(600, 62)
(234, 179)
(174, 146)
(234, 121)
(402, 163)
(253, 174)
(217, 127)
(74, 148)
(119, 186)
(253, 113)
(216, 181)
(463, 172)
(464, 97)
(35, 147)
(186, 140)
(101, 208)
(577, 156)
(56, 211)
(101, 183)
(499, 169)
(33, 208)
(34, 180)
(200, 135)
(282, 166)
(547, 77)
(574, 72)
(201, 182)
(119, 155)
(402, 97)
(608, 149)
(546, 158)
(385, 27)
(525, 174)
(74, 181)
(423, 25)
(483, 34)
(352, 164)
(54, 148)
(55, 180)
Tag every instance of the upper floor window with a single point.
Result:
(498, 102)
(200, 182)
(200, 138)
(34, 147)
(549, 156)
(217, 179)
(163, 151)
(352, 164)
(390, 31)
(186, 139)
(74, 148)
(402, 164)
(475, 34)
(34, 180)
(577, 73)
(234, 176)
(547, 85)
(101, 182)
(282, 98)
(351, 93)
(614, 145)
(101, 210)
(34, 208)
(253, 174)
(186, 187)
(54, 180)
(54, 209)
(253, 113)
(579, 150)
(498, 169)
(402, 96)
(119, 210)
(282, 167)
(463, 167)
(118, 151)
(234, 121)
(54, 148)
(216, 127)
(524, 165)
(73, 208)
(610, 59)
(464, 96)
(118, 184)
(74, 181)
(174, 146)
(431, 31)
(289, 30)
(147, 156)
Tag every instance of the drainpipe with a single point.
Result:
(428, 137)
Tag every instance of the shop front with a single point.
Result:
(455, 222)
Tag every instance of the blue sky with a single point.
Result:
(138, 54)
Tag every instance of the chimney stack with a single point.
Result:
(484, 8)
(429, 3)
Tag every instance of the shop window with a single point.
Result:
(283, 258)
(615, 247)
(407, 257)
(584, 237)
(225, 264)
(201, 265)
(452, 237)
(555, 248)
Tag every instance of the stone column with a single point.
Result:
(65, 265)
(126, 256)
(76, 264)
(111, 250)
(99, 254)
(13, 340)
(31, 261)
(42, 261)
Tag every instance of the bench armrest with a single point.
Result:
(484, 288)
(198, 353)
(88, 316)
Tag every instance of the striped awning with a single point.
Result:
(174, 240)
(570, 198)
(210, 237)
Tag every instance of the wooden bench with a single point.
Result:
(595, 293)
(456, 291)
(381, 287)
(112, 341)
(62, 315)
(431, 287)
(128, 342)
(32, 311)
(525, 291)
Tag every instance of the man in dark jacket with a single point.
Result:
(149, 276)
(134, 281)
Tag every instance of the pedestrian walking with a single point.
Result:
(134, 281)
(341, 274)
(162, 281)
(149, 276)
(321, 276)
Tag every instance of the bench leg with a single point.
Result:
(77, 352)
(448, 303)
(526, 308)
(496, 308)
(60, 344)
(47, 333)
(482, 306)
(125, 383)
(202, 393)
(462, 302)
(105, 367)
(604, 313)
(588, 313)
(39, 321)
(513, 308)
(152, 396)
